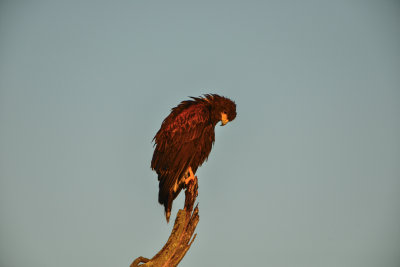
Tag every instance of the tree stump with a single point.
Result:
(180, 239)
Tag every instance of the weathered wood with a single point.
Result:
(181, 237)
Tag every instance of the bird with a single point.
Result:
(184, 141)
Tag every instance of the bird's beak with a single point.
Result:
(224, 119)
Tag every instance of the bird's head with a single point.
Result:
(222, 108)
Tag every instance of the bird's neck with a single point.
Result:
(215, 114)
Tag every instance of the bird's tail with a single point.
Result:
(167, 212)
(164, 198)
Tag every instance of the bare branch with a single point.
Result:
(181, 237)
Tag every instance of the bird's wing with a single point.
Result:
(177, 142)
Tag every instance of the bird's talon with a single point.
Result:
(191, 176)
(187, 180)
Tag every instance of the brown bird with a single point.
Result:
(184, 142)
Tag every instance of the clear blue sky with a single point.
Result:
(307, 175)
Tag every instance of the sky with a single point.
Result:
(308, 173)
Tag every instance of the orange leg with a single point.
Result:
(191, 176)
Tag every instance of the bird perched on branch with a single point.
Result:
(184, 142)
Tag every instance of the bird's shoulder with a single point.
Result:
(187, 115)
(185, 122)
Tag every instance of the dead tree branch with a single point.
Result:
(181, 237)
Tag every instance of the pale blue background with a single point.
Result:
(307, 175)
